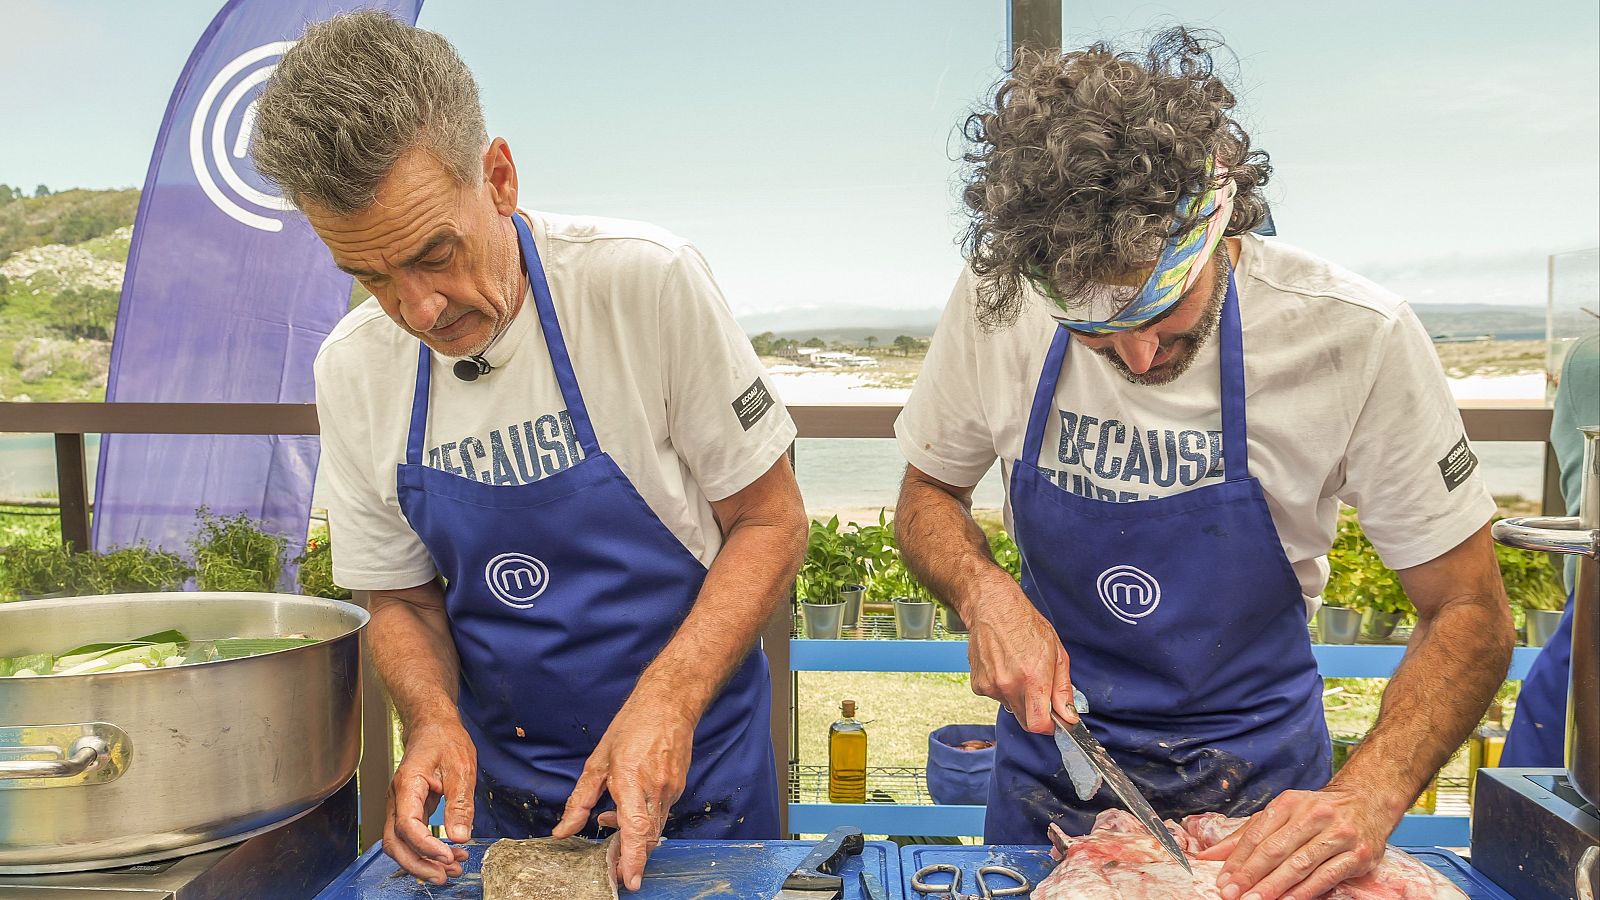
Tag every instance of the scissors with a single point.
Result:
(953, 886)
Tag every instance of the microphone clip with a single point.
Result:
(471, 368)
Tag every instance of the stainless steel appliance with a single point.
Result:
(127, 767)
(294, 861)
(1536, 831)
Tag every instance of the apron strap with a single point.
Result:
(1044, 396)
(419, 406)
(565, 377)
(1235, 446)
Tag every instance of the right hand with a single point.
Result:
(1017, 658)
(440, 763)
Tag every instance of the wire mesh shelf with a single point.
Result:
(879, 627)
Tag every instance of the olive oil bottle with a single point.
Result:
(1484, 747)
(847, 757)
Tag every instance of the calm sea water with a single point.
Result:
(834, 474)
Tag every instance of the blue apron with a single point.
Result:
(559, 593)
(1537, 738)
(1186, 632)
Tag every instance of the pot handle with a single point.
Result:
(1552, 534)
(86, 753)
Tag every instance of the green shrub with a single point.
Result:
(34, 568)
(233, 553)
(1006, 554)
(316, 568)
(135, 569)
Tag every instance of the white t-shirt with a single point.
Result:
(1345, 401)
(672, 385)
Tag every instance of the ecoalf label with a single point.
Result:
(1458, 464)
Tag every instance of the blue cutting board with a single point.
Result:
(678, 870)
(1035, 863)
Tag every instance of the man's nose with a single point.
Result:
(1136, 350)
(420, 304)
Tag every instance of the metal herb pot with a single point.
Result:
(823, 620)
(1578, 535)
(1380, 626)
(913, 619)
(1337, 625)
(1542, 623)
(117, 768)
(851, 596)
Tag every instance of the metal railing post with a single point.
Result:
(72, 486)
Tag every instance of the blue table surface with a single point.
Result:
(1035, 863)
(678, 870)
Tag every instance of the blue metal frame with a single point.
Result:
(1334, 660)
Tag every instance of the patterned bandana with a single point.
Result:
(1176, 270)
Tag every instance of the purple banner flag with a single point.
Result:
(227, 297)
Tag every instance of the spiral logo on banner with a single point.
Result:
(219, 139)
(516, 579)
(1129, 592)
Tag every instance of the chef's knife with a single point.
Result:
(1107, 768)
(817, 877)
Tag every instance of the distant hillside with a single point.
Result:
(69, 217)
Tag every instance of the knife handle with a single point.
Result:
(815, 872)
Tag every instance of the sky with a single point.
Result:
(1445, 149)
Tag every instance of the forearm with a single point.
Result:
(1457, 660)
(415, 654)
(942, 544)
(747, 582)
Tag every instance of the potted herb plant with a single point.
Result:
(36, 570)
(1358, 580)
(873, 550)
(233, 553)
(913, 606)
(828, 567)
(1534, 586)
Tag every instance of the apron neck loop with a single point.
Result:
(419, 406)
(1044, 396)
(1235, 448)
(565, 377)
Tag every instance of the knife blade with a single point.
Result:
(1107, 768)
(817, 877)
(1086, 779)
(871, 885)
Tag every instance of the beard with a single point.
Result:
(1186, 346)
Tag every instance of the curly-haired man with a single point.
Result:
(1171, 552)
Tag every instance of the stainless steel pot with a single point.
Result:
(117, 768)
(1579, 535)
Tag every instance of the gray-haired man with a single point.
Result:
(561, 470)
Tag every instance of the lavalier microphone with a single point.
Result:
(472, 367)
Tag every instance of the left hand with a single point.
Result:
(1303, 844)
(643, 762)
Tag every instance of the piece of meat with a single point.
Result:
(550, 869)
(1117, 860)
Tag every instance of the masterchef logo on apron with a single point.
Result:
(1129, 592)
(516, 579)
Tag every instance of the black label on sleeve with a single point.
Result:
(1459, 463)
(751, 405)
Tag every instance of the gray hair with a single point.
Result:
(354, 95)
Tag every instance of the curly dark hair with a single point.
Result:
(1076, 172)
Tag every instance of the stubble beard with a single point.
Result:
(1187, 346)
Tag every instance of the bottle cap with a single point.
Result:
(848, 707)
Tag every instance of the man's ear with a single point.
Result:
(500, 175)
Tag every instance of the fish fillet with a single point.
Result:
(550, 869)
(1119, 860)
